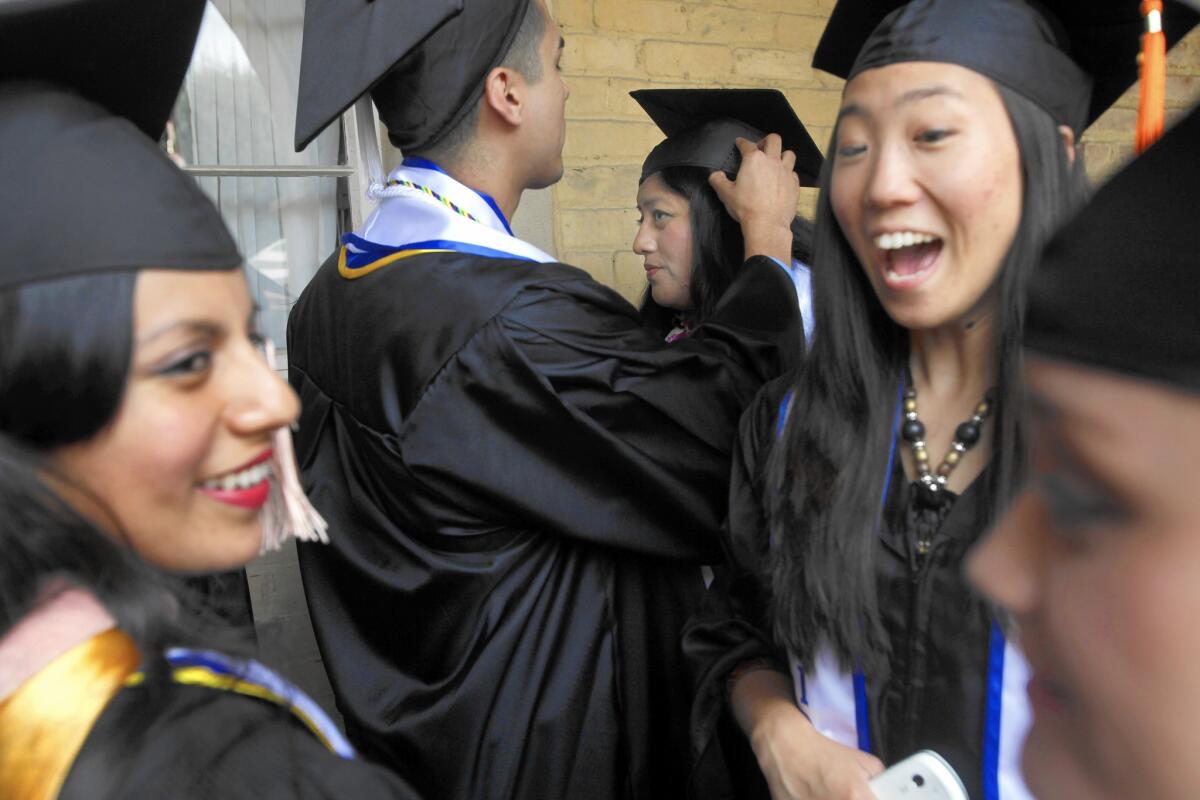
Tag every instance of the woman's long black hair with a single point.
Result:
(825, 477)
(718, 249)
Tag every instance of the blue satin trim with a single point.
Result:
(424, 163)
(995, 704)
(862, 720)
(366, 253)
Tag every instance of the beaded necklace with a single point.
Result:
(966, 436)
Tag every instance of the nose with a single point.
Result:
(1006, 565)
(892, 180)
(643, 241)
(260, 401)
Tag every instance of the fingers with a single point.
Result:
(772, 145)
(721, 184)
(789, 159)
(745, 146)
(871, 765)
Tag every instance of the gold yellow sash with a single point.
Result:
(44, 723)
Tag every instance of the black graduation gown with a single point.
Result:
(930, 694)
(190, 742)
(521, 483)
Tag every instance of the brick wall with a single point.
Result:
(615, 46)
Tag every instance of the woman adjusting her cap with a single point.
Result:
(691, 244)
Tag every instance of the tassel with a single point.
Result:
(288, 512)
(1153, 83)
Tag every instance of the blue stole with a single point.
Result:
(837, 705)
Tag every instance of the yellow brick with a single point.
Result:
(1183, 91)
(816, 7)
(598, 264)
(629, 276)
(599, 187)
(807, 206)
(1114, 125)
(799, 32)
(789, 67)
(620, 104)
(595, 229)
(574, 15)
(657, 17)
(723, 25)
(697, 62)
(1102, 159)
(605, 55)
(589, 97)
(815, 107)
(600, 142)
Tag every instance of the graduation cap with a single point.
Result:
(423, 61)
(702, 124)
(82, 191)
(130, 56)
(1118, 286)
(1075, 58)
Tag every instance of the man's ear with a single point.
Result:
(1068, 137)
(504, 93)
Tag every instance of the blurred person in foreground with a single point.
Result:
(1098, 562)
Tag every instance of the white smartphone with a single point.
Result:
(921, 776)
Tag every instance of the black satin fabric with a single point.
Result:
(1117, 287)
(196, 743)
(521, 483)
(932, 691)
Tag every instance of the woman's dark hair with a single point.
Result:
(825, 478)
(65, 351)
(718, 248)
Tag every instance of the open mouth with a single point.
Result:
(908, 257)
(247, 487)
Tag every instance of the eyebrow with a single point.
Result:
(198, 326)
(925, 92)
(202, 327)
(911, 96)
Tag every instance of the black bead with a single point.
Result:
(967, 433)
(913, 430)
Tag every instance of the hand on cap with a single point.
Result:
(763, 197)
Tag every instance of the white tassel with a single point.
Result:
(288, 511)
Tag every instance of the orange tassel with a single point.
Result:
(1153, 84)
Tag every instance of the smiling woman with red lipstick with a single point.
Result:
(1098, 561)
(143, 437)
(850, 638)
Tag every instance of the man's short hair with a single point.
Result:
(524, 55)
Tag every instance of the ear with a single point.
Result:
(504, 93)
(1068, 137)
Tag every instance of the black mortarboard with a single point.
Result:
(1074, 58)
(702, 124)
(82, 191)
(130, 56)
(423, 61)
(349, 45)
(1119, 286)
